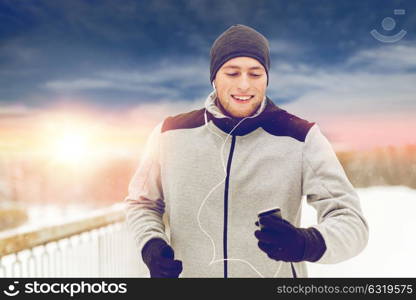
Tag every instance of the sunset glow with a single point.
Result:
(71, 147)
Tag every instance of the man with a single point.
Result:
(210, 172)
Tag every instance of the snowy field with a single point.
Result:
(391, 250)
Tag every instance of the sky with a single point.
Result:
(131, 63)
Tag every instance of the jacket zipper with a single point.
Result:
(227, 179)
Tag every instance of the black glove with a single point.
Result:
(159, 258)
(280, 240)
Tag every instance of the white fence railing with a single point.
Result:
(98, 245)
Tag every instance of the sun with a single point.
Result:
(71, 147)
(72, 140)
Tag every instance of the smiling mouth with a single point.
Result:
(242, 99)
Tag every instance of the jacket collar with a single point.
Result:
(227, 123)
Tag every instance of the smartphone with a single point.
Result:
(271, 211)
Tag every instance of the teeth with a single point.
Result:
(242, 98)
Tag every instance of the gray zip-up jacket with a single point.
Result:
(211, 199)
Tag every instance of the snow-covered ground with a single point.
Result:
(391, 250)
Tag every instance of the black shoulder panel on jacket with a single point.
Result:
(281, 123)
(190, 119)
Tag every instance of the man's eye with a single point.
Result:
(236, 74)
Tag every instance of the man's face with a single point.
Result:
(239, 79)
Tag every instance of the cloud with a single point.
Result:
(284, 47)
(374, 80)
(15, 110)
(396, 57)
(149, 114)
(384, 84)
(78, 84)
(168, 78)
(186, 73)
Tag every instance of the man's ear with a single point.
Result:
(213, 85)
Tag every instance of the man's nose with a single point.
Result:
(244, 83)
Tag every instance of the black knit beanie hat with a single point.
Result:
(239, 40)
